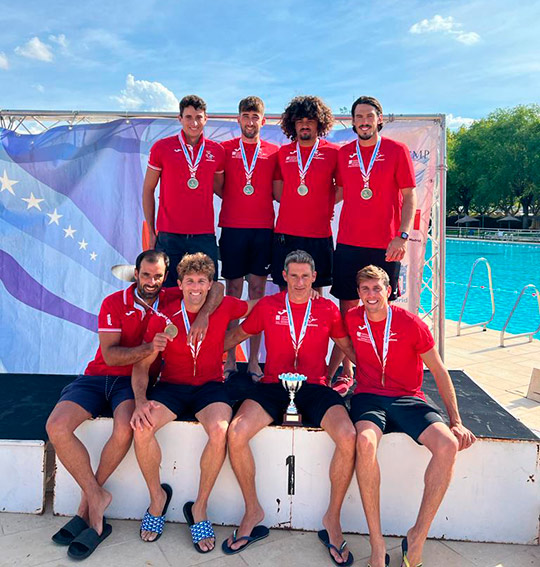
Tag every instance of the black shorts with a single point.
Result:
(98, 395)
(245, 251)
(186, 401)
(321, 249)
(348, 260)
(177, 245)
(312, 401)
(405, 414)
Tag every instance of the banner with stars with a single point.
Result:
(70, 209)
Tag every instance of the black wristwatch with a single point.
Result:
(404, 235)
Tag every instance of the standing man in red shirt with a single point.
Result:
(296, 332)
(307, 193)
(391, 346)
(247, 215)
(189, 168)
(191, 381)
(377, 184)
(106, 387)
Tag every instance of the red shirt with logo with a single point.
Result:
(183, 210)
(178, 365)
(409, 338)
(270, 316)
(373, 223)
(239, 210)
(307, 215)
(120, 314)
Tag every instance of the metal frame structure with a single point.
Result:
(38, 121)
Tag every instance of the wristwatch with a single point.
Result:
(404, 235)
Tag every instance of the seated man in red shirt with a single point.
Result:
(296, 332)
(191, 381)
(391, 346)
(106, 387)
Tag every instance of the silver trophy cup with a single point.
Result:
(292, 383)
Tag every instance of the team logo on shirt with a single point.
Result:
(353, 159)
(109, 322)
(128, 313)
(282, 319)
(363, 336)
(209, 155)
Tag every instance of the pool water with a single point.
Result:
(512, 267)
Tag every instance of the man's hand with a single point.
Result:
(142, 416)
(198, 329)
(314, 294)
(396, 250)
(465, 437)
(159, 342)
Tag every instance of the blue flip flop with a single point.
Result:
(404, 549)
(257, 533)
(325, 538)
(200, 530)
(156, 523)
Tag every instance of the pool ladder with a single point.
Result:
(485, 323)
(530, 335)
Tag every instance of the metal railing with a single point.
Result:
(485, 323)
(530, 335)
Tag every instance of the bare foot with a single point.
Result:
(335, 535)
(155, 508)
(378, 554)
(97, 504)
(249, 521)
(82, 511)
(199, 514)
(415, 547)
(255, 371)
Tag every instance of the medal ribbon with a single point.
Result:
(301, 169)
(386, 340)
(189, 155)
(249, 169)
(366, 174)
(153, 308)
(297, 343)
(193, 348)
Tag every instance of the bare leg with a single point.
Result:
(337, 356)
(256, 289)
(234, 289)
(148, 454)
(337, 423)
(215, 419)
(249, 420)
(64, 419)
(369, 481)
(444, 447)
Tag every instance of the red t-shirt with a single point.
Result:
(178, 364)
(270, 316)
(183, 210)
(307, 215)
(409, 338)
(120, 314)
(374, 222)
(239, 210)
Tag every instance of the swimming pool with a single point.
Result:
(512, 267)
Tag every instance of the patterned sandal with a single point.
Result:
(155, 524)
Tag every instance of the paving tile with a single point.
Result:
(492, 554)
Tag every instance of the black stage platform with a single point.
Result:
(28, 399)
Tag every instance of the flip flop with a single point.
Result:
(155, 524)
(200, 530)
(386, 561)
(325, 538)
(86, 542)
(404, 549)
(255, 376)
(257, 533)
(69, 531)
(227, 374)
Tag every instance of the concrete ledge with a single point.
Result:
(494, 496)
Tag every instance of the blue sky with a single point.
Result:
(460, 58)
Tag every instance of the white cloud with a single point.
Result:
(146, 95)
(445, 26)
(39, 88)
(59, 39)
(4, 63)
(35, 49)
(456, 122)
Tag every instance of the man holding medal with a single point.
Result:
(296, 332)
(189, 168)
(307, 191)
(191, 381)
(247, 215)
(377, 184)
(391, 347)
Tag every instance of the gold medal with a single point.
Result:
(366, 193)
(303, 189)
(171, 330)
(249, 189)
(193, 183)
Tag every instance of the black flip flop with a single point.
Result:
(86, 542)
(257, 533)
(325, 538)
(69, 531)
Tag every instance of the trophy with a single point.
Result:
(292, 383)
